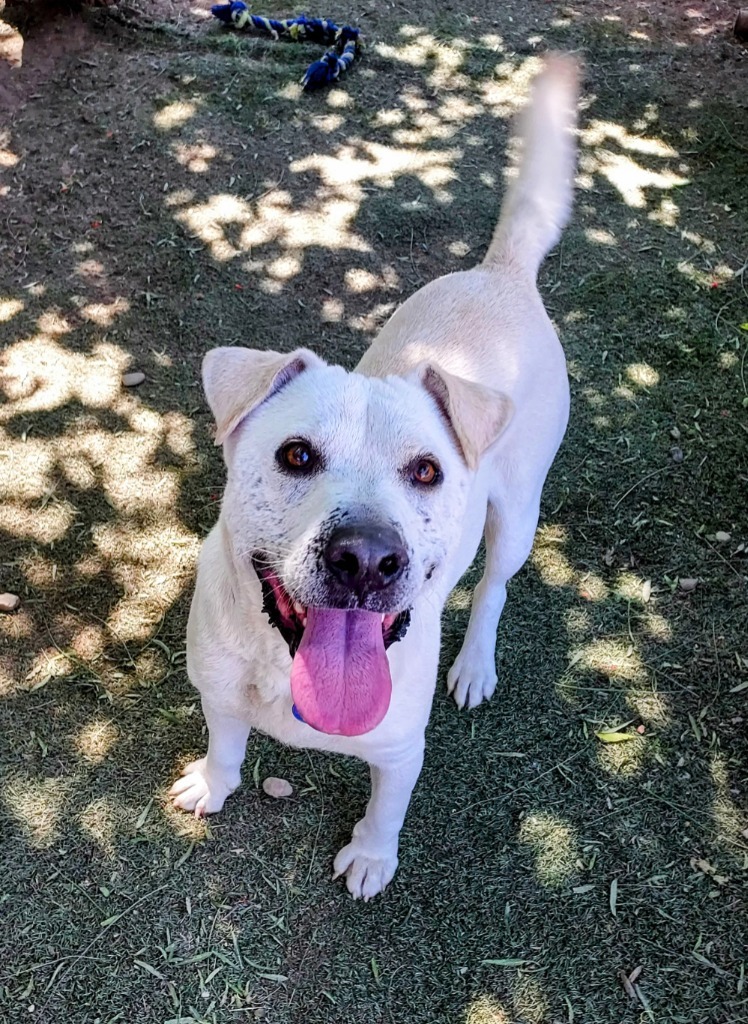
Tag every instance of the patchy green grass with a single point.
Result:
(171, 190)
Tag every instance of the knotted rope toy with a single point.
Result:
(346, 41)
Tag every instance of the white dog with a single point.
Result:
(356, 501)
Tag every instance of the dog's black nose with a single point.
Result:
(366, 558)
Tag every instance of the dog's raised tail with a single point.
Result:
(538, 201)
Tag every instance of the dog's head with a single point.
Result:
(346, 496)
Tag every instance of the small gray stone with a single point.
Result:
(277, 788)
(676, 453)
(9, 602)
(131, 380)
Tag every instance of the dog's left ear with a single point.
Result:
(475, 414)
(238, 380)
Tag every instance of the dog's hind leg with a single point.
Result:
(509, 533)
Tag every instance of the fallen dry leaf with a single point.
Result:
(614, 737)
(628, 988)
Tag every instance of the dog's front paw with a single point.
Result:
(367, 872)
(471, 679)
(198, 791)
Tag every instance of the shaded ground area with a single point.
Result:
(167, 188)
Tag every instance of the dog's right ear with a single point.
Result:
(238, 380)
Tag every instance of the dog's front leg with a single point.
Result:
(370, 859)
(206, 783)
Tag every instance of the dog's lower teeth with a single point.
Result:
(299, 609)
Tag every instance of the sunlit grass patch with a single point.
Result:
(554, 845)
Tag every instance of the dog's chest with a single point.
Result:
(275, 718)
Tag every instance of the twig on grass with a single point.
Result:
(638, 483)
(109, 923)
(530, 782)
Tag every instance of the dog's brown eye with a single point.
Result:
(297, 456)
(426, 472)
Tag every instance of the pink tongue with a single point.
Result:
(340, 678)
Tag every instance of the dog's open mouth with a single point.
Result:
(340, 677)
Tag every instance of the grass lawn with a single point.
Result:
(166, 187)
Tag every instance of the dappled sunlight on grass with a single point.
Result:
(10, 308)
(45, 525)
(104, 313)
(578, 623)
(705, 244)
(152, 566)
(530, 1000)
(596, 133)
(7, 158)
(666, 213)
(555, 570)
(50, 662)
(719, 274)
(653, 708)
(460, 599)
(111, 449)
(40, 373)
(185, 826)
(624, 759)
(175, 115)
(38, 806)
(549, 559)
(102, 821)
(270, 232)
(598, 236)
(486, 1010)
(591, 587)
(603, 664)
(631, 587)
(444, 61)
(629, 177)
(196, 157)
(96, 739)
(616, 659)
(554, 844)
(656, 626)
(730, 818)
(380, 165)
(231, 227)
(504, 92)
(643, 375)
(620, 168)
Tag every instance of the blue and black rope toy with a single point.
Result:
(346, 41)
